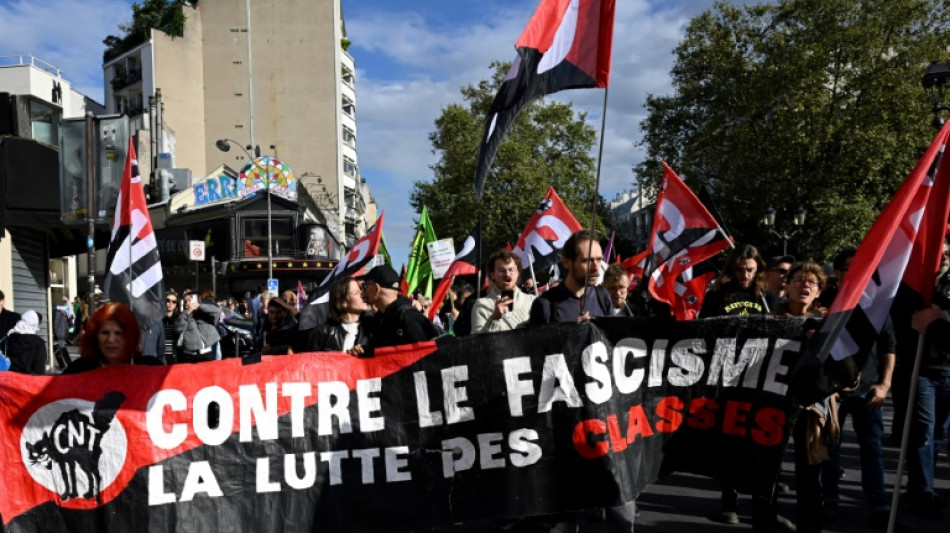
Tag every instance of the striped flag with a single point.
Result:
(134, 271)
(901, 250)
(566, 45)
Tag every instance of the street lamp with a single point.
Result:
(935, 81)
(798, 221)
(225, 146)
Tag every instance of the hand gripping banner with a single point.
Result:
(523, 423)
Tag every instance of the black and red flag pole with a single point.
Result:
(566, 45)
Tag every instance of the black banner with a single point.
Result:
(524, 423)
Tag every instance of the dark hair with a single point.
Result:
(807, 267)
(121, 314)
(843, 257)
(737, 255)
(2, 296)
(504, 256)
(207, 294)
(339, 290)
(570, 247)
(615, 272)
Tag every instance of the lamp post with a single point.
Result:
(798, 221)
(935, 81)
(225, 146)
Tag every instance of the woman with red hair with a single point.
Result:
(111, 337)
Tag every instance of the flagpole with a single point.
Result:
(905, 434)
(533, 277)
(478, 267)
(593, 200)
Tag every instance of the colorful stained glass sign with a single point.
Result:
(264, 171)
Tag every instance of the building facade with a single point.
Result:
(272, 75)
(37, 262)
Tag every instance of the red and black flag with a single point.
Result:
(684, 234)
(902, 249)
(548, 229)
(354, 263)
(134, 273)
(566, 45)
(466, 262)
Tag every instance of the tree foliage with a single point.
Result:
(548, 145)
(812, 103)
(165, 15)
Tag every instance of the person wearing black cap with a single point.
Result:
(398, 321)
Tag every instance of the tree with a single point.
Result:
(549, 145)
(167, 16)
(812, 103)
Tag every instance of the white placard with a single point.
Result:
(196, 250)
(441, 255)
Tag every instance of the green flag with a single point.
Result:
(419, 272)
(384, 250)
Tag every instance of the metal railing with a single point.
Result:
(26, 59)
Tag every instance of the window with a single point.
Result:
(349, 167)
(349, 137)
(349, 107)
(44, 122)
(255, 236)
(347, 75)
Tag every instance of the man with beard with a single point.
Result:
(504, 307)
(581, 259)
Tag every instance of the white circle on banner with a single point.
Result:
(66, 449)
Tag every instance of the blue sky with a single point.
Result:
(412, 57)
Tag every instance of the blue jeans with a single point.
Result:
(929, 427)
(869, 431)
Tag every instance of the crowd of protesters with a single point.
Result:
(366, 313)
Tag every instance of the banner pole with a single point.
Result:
(478, 267)
(595, 195)
(533, 277)
(905, 434)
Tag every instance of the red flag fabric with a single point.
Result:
(134, 272)
(548, 229)
(566, 45)
(636, 267)
(684, 234)
(465, 262)
(903, 246)
(403, 284)
(354, 263)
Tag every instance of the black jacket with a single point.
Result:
(282, 338)
(27, 354)
(329, 336)
(401, 323)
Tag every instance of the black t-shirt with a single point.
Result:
(732, 300)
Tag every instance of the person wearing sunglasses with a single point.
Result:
(776, 272)
(168, 323)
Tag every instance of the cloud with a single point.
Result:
(65, 33)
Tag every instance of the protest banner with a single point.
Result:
(521, 423)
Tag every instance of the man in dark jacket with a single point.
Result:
(398, 322)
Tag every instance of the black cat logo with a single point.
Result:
(74, 444)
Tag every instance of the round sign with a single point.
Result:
(196, 250)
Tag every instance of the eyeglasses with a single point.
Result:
(782, 271)
(803, 281)
(171, 301)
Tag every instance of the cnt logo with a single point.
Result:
(64, 442)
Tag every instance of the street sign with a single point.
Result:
(272, 286)
(196, 250)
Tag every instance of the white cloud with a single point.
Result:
(65, 33)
